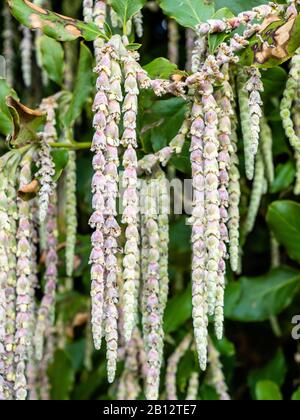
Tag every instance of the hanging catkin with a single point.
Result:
(193, 387)
(289, 95)
(212, 197)
(163, 225)
(189, 42)
(88, 10)
(152, 319)
(71, 211)
(225, 133)
(45, 163)
(250, 110)
(112, 230)
(138, 24)
(129, 387)
(172, 367)
(234, 192)
(199, 288)
(296, 120)
(4, 278)
(8, 47)
(217, 378)
(266, 140)
(10, 325)
(26, 55)
(97, 220)
(130, 198)
(258, 189)
(46, 312)
(173, 46)
(25, 286)
(254, 87)
(99, 15)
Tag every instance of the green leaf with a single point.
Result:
(188, 364)
(6, 125)
(285, 175)
(76, 352)
(182, 162)
(208, 393)
(296, 395)
(214, 40)
(256, 299)
(284, 219)
(178, 311)
(134, 46)
(160, 68)
(274, 371)
(83, 86)
(125, 9)
(268, 391)
(162, 135)
(180, 237)
(56, 26)
(238, 6)
(161, 122)
(60, 159)
(188, 13)
(61, 376)
(85, 390)
(52, 55)
(26, 122)
(274, 81)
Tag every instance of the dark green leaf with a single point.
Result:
(268, 391)
(133, 46)
(257, 299)
(182, 162)
(181, 305)
(60, 159)
(215, 40)
(285, 175)
(188, 13)
(284, 220)
(160, 68)
(83, 86)
(76, 352)
(6, 125)
(274, 371)
(70, 304)
(86, 389)
(274, 81)
(125, 9)
(208, 393)
(62, 376)
(296, 395)
(161, 122)
(188, 364)
(238, 6)
(52, 55)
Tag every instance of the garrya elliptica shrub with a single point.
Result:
(151, 210)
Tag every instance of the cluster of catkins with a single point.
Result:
(26, 333)
(211, 124)
(215, 375)
(116, 65)
(214, 159)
